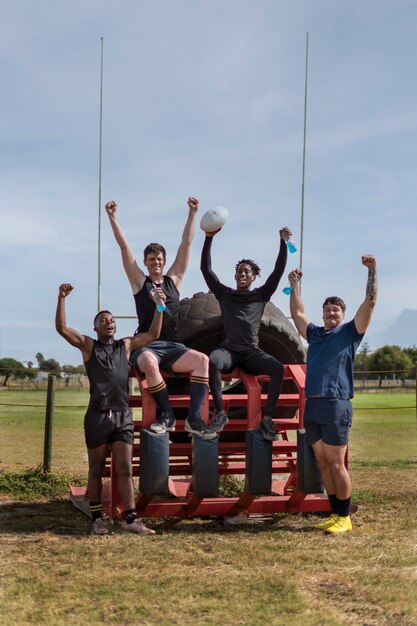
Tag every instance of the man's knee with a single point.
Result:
(124, 470)
(215, 366)
(199, 361)
(277, 369)
(147, 363)
(96, 469)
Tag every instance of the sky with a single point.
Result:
(203, 98)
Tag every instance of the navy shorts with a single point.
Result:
(102, 427)
(328, 419)
(166, 352)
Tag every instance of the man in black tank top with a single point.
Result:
(108, 421)
(166, 354)
(242, 310)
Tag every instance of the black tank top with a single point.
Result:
(108, 373)
(145, 309)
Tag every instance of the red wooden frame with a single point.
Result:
(285, 496)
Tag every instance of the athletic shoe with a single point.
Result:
(240, 518)
(329, 522)
(342, 525)
(165, 423)
(219, 421)
(99, 527)
(137, 527)
(267, 430)
(199, 428)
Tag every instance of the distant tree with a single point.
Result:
(389, 358)
(73, 372)
(362, 357)
(11, 368)
(412, 353)
(47, 365)
(30, 372)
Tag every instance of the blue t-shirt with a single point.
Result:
(330, 359)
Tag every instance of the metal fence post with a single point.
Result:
(49, 415)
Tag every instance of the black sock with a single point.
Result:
(198, 389)
(334, 503)
(344, 507)
(161, 395)
(130, 516)
(96, 509)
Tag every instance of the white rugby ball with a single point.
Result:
(213, 219)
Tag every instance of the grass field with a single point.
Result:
(275, 570)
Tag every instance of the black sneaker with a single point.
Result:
(199, 428)
(165, 423)
(267, 430)
(219, 421)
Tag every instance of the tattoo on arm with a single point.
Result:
(372, 285)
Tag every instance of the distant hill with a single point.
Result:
(403, 332)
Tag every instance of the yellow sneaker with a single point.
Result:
(329, 522)
(342, 525)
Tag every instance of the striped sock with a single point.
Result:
(96, 509)
(161, 395)
(198, 389)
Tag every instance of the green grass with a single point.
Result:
(275, 570)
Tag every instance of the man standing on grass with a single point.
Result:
(108, 421)
(166, 354)
(329, 387)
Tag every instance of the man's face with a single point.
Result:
(105, 326)
(244, 276)
(333, 316)
(154, 263)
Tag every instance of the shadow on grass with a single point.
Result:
(59, 517)
(55, 516)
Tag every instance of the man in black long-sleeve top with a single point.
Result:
(242, 310)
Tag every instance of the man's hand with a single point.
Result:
(111, 207)
(294, 277)
(213, 232)
(193, 204)
(65, 289)
(156, 294)
(369, 261)
(285, 233)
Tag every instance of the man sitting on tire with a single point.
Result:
(242, 310)
(166, 353)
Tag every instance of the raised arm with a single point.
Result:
(180, 264)
(82, 342)
(298, 315)
(142, 339)
(273, 279)
(210, 277)
(364, 313)
(133, 272)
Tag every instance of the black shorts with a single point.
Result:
(166, 352)
(328, 419)
(102, 427)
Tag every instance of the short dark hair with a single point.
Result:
(154, 248)
(256, 270)
(98, 315)
(335, 300)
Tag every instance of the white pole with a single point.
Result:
(304, 160)
(99, 185)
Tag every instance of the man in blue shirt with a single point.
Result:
(329, 387)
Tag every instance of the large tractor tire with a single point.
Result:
(200, 327)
